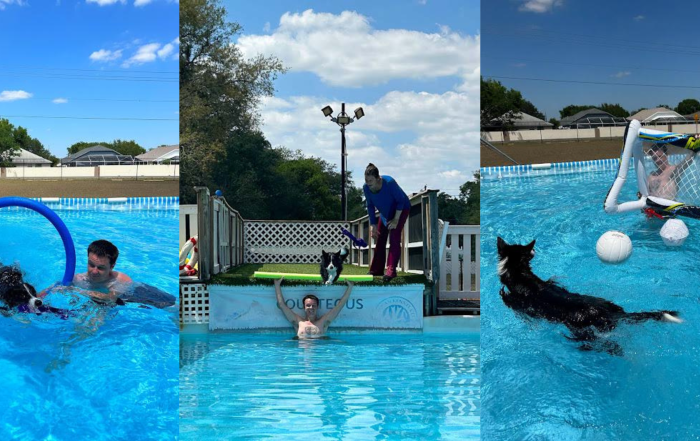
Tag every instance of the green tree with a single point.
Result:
(555, 121)
(357, 206)
(614, 110)
(498, 103)
(8, 144)
(470, 193)
(529, 108)
(572, 110)
(311, 189)
(219, 90)
(127, 147)
(78, 146)
(688, 106)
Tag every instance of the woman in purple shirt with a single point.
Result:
(384, 194)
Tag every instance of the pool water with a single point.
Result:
(349, 387)
(102, 373)
(539, 385)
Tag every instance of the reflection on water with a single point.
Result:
(349, 386)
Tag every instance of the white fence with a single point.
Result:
(579, 134)
(459, 243)
(102, 171)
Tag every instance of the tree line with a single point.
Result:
(12, 139)
(500, 104)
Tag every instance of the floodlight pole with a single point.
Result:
(343, 197)
(342, 119)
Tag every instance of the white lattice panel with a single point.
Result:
(292, 242)
(194, 301)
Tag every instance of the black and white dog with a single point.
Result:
(14, 293)
(583, 315)
(332, 265)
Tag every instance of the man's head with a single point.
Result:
(658, 154)
(102, 256)
(310, 306)
(372, 178)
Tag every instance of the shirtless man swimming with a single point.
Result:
(101, 281)
(662, 183)
(310, 326)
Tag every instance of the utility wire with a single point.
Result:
(693, 71)
(89, 117)
(610, 43)
(109, 100)
(548, 80)
(92, 78)
(5, 66)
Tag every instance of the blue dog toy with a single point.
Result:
(359, 243)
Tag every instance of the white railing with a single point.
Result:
(460, 267)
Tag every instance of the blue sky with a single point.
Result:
(643, 42)
(412, 65)
(112, 59)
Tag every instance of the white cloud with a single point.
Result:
(344, 50)
(443, 133)
(13, 95)
(165, 51)
(105, 55)
(266, 27)
(4, 3)
(106, 2)
(519, 65)
(639, 18)
(145, 54)
(540, 6)
(59, 101)
(622, 74)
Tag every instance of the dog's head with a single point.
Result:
(14, 292)
(515, 255)
(332, 261)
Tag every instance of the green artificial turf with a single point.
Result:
(243, 275)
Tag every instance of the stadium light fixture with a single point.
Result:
(343, 119)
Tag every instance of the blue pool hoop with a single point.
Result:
(14, 201)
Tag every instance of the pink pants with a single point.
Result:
(379, 258)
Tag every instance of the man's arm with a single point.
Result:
(680, 168)
(293, 318)
(333, 313)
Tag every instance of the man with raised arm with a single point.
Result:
(310, 326)
(662, 183)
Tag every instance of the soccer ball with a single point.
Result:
(613, 247)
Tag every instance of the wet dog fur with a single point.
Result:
(332, 265)
(583, 315)
(14, 292)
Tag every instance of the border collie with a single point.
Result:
(332, 265)
(14, 292)
(526, 293)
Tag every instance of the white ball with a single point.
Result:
(674, 232)
(613, 247)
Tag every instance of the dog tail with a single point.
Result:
(665, 316)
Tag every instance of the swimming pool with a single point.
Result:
(353, 386)
(537, 384)
(102, 373)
